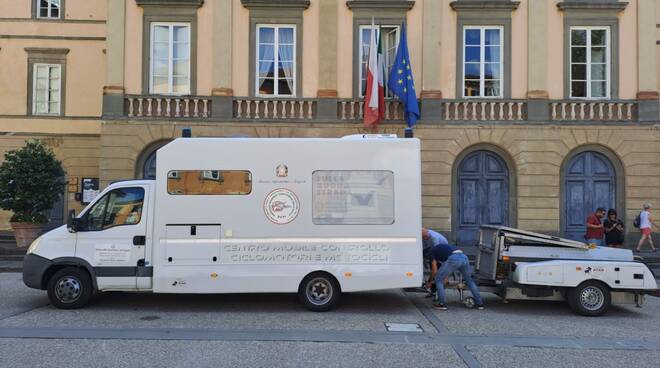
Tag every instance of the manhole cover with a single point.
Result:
(403, 327)
(149, 318)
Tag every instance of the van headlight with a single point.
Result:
(33, 247)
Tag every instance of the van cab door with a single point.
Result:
(112, 236)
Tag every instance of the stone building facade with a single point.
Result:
(533, 113)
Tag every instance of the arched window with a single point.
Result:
(145, 167)
(149, 167)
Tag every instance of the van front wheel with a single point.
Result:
(319, 292)
(70, 288)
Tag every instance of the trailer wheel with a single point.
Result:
(70, 288)
(469, 302)
(319, 292)
(590, 298)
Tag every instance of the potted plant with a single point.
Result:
(31, 181)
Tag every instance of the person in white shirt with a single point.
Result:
(645, 223)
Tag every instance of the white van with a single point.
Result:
(240, 215)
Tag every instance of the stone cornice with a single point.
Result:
(188, 3)
(381, 4)
(43, 50)
(269, 4)
(484, 5)
(593, 5)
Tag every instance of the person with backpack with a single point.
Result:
(614, 234)
(644, 221)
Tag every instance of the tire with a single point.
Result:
(590, 298)
(469, 302)
(70, 288)
(319, 292)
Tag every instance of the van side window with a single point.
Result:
(353, 197)
(209, 182)
(121, 206)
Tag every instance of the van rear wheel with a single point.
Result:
(70, 288)
(319, 292)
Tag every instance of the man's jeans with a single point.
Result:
(456, 262)
(598, 242)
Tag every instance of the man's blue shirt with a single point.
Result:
(441, 252)
(435, 238)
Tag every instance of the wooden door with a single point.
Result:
(589, 183)
(483, 194)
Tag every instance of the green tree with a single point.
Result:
(31, 181)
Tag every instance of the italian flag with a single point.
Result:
(374, 99)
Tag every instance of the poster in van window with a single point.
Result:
(353, 197)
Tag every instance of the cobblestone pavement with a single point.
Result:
(273, 330)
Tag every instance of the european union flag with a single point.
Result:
(401, 81)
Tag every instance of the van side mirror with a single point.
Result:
(72, 222)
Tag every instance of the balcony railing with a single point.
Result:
(593, 110)
(352, 110)
(273, 109)
(496, 110)
(153, 106)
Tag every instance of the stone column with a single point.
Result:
(537, 66)
(113, 91)
(431, 50)
(222, 91)
(327, 92)
(647, 61)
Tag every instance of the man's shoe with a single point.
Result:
(440, 306)
(479, 307)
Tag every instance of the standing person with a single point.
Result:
(595, 230)
(645, 223)
(445, 260)
(614, 234)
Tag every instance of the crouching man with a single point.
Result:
(446, 259)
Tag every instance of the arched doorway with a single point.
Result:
(482, 194)
(589, 182)
(145, 167)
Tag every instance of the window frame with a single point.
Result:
(170, 57)
(394, 211)
(608, 62)
(37, 10)
(106, 197)
(276, 44)
(34, 89)
(361, 27)
(203, 173)
(482, 62)
(39, 55)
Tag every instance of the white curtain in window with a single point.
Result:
(286, 61)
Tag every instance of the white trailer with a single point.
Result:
(238, 215)
(523, 265)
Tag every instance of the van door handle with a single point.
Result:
(139, 240)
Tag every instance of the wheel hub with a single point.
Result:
(319, 291)
(592, 298)
(68, 289)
